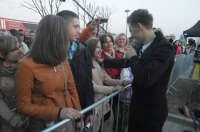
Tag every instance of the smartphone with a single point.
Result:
(103, 20)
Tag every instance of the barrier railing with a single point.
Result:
(57, 126)
(182, 68)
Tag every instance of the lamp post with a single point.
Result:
(126, 21)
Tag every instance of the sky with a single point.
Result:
(172, 16)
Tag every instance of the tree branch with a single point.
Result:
(29, 8)
(37, 7)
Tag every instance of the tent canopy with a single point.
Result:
(193, 31)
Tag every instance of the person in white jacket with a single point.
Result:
(23, 46)
(103, 86)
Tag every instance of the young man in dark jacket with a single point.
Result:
(151, 69)
(80, 61)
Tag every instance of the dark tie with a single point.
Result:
(140, 54)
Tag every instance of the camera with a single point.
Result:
(103, 20)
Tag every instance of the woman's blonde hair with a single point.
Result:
(116, 41)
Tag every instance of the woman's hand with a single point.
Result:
(70, 113)
(126, 82)
(118, 88)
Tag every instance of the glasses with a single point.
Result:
(16, 48)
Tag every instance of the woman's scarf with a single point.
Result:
(7, 68)
(110, 56)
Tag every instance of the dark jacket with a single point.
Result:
(151, 75)
(81, 66)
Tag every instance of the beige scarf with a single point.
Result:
(110, 56)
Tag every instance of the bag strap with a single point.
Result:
(65, 80)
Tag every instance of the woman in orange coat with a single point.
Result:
(45, 88)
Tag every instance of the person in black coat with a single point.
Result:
(80, 62)
(151, 69)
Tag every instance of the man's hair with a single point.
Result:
(141, 16)
(13, 32)
(50, 44)
(67, 15)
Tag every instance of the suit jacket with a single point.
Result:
(81, 66)
(151, 75)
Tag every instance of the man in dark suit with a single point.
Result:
(151, 69)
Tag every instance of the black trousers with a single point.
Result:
(140, 127)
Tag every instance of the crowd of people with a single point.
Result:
(181, 46)
(51, 74)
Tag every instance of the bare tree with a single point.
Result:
(105, 12)
(79, 11)
(91, 8)
(43, 7)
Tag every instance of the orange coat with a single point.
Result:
(39, 90)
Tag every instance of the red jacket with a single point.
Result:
(179, 50)
(85, 35)
(113, 73)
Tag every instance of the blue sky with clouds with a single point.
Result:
(173, 16)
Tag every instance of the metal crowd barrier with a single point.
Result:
(182, 68)
(56, 127)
